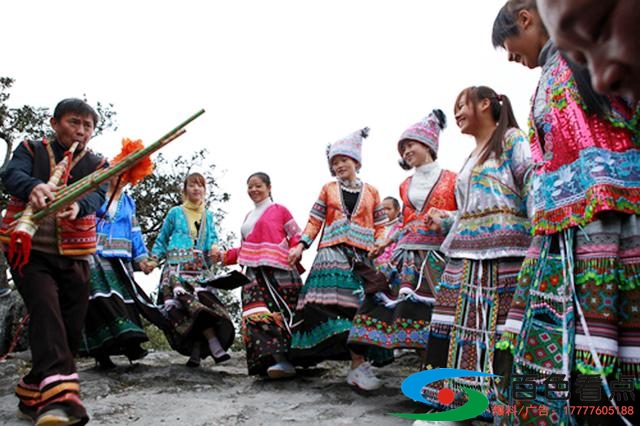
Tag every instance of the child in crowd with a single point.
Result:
(392, 209)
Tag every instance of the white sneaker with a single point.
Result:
(281, 370)
(363, 377)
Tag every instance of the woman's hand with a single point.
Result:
(147, 266)
(215, 254)
(295, 254)
(434, 218)
(377, 250)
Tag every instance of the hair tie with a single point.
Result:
(501, 98)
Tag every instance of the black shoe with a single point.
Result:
(136, 352)
(105, 363)
(193, 363)
(222, 358)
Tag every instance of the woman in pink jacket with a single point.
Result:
(269, 300)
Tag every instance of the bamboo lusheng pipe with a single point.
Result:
(20, 242)
(56, 177)
(67, 195)
(71, 193)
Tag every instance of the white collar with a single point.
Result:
(264, 203)
(426, 169)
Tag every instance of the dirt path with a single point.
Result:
(161, 390)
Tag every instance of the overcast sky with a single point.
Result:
(279, 80)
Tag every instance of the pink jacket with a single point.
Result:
(269, 242)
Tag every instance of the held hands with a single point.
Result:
(375, 251)
(147, 265)
(295, 254)
(378, 248)
(42, 194)
(215, 254)
(434, 218)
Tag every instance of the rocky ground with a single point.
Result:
(160, 390)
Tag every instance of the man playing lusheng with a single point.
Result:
(55, 282)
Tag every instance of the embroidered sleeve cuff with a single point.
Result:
(306, 241)
(447, 222)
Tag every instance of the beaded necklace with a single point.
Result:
(353, 186)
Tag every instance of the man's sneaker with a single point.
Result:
(55, 417)
(363, 377)
(281, 370)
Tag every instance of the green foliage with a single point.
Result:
(107, 118)
(157, 339)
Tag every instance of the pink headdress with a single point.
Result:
(426, 131)
(349, 146)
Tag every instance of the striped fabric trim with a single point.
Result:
(255, 311)
(319, 210)
(379, 215)
(53, 389)
(344, 231)
(58, 378)
(264, 254)
(61, 388)
(340, 297)
(293, 231)
(254, 308)
(29, 395)
(67, 397)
